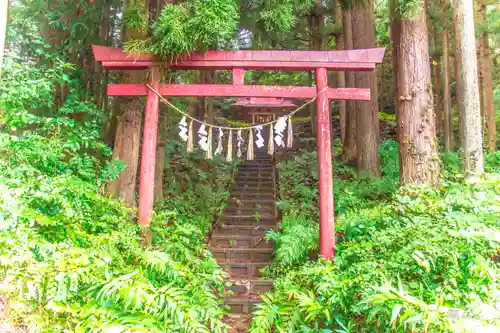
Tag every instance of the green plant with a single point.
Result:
(407, 260)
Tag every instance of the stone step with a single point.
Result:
(253, 176)
(242, 269)
(256, 171)
(258, 162)
(242, 254)
(238, 323)
(231, 219)
(256, 168)
(246, 287)
(241, 305)
(251, 202)
(253, 185)
(248, 210)
(242, 230)
(238, 241)
(247, 195)
(239, 189)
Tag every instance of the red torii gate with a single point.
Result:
(238, 62)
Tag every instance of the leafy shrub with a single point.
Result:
(400, 266)
(71, 259)
(408, 260)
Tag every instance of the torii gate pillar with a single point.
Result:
(148, 156)
(326, 209)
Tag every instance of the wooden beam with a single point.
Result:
(227, 90)
(350, 60)
(262, 65)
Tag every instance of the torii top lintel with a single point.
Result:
(346, 60)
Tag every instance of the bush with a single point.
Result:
(407, 260)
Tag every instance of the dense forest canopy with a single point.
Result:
(416, 172)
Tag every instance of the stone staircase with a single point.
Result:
(238, 242)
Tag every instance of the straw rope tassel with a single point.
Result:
(209, 149)
(190, 144)
(289, 137)
(270, 144)
(250, 150)
(229, 156)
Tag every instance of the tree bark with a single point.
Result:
(340, 75)
(363, 37)
(317, 42)
(160, 155)
(4, 8)
(487, 91)
(103, 37)
(468, 88)
(458, 97)
(437, 83)
(448, 121)
(349, 152)
(130, 121)
(117, 152)
(418, 158)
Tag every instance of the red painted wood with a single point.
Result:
(351, 60)
(148, 154)
(223, 64)
(264, 102)
(228, 90)
(326, 209)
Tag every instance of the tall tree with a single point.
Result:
(437, 80)
(414, 106)
(127, 139)
(487, 82)
(349, 144)
(363, 37)
(447, 112)
(468, 87)
(340, 75)
(4, 7)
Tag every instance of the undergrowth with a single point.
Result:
(413, 259)
(71, 258)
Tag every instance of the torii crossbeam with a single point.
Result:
(238, 62)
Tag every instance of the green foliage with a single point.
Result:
(75, 253)
(181, 29)
(71, 258)
(407, 260)
(135, 18)
(172, 33)
(296, 241)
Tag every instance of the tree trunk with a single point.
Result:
(448, 121)
(130, 121)
(208, 77)
(312, 108)
(317, 42)
(340, 75)
(160, 155)
(458, 98)
(437, 83)
(467, 87)
(363, 37)
(4, 6)
(418, 158)
(103, 37)
(349, 145)
(487, 91)
(117, 152)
